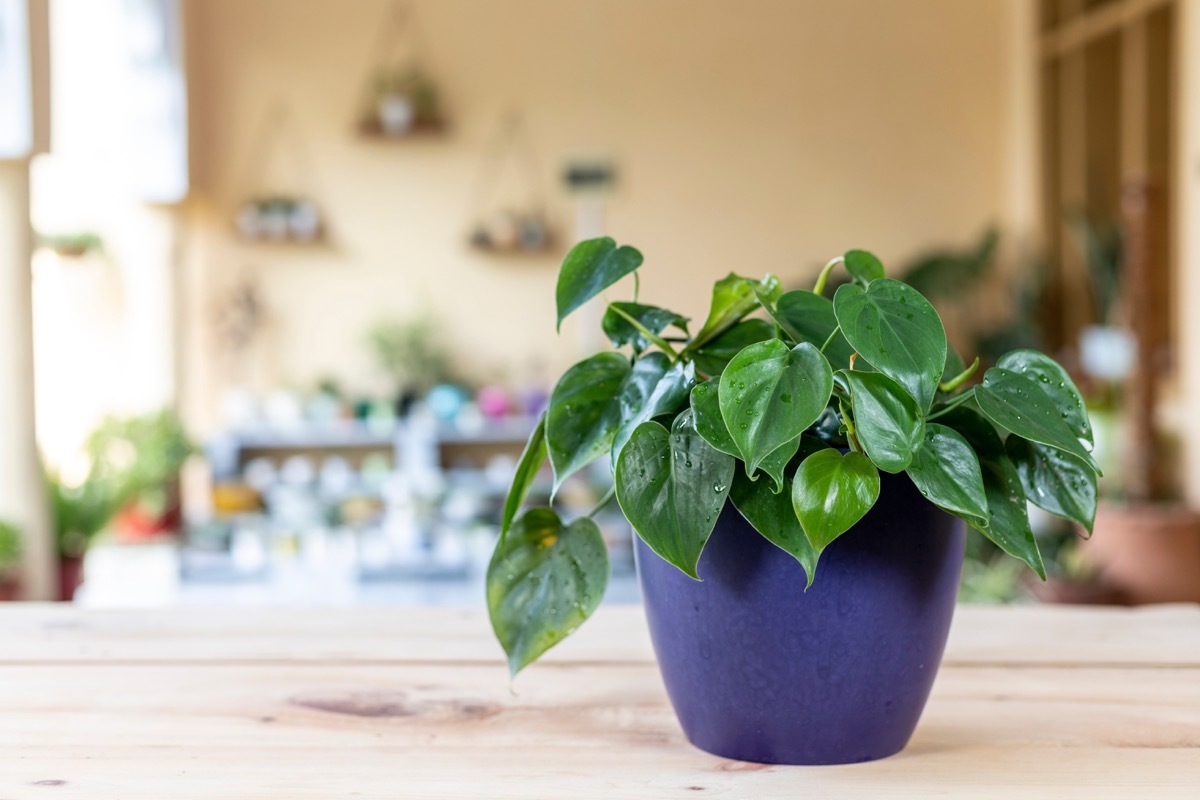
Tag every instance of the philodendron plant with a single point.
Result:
(787, 404)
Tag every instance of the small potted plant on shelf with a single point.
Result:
(798, 472)
(10, 561)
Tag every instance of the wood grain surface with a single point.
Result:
(1036, 701)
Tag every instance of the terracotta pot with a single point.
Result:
(70, 576)
(134, 523)
(10, 589)
(1148, 552)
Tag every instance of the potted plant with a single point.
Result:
(798, 484)
(410, 354)
(79, 512)
(10, 561)
(142, 456)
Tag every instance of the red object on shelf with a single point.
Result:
(70, 576)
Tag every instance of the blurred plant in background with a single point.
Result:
(10, 560)
(410, 354)
(141, 457)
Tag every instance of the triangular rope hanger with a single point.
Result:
(280, 211)
(513, 143)
(397, 66)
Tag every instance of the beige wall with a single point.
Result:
(750, 136)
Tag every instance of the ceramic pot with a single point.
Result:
(758, 669)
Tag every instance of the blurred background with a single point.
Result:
(277, 304)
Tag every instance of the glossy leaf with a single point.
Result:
(1055, 481)
(898, 331)
(1008, 514)
(672, 486)
(1026, 407)
(591, 267)
(831, 492)
(769, 394)
(1056, 383)
(808, 317)
(716, 355)
(584, 413)
(733, 298)
(544, 580)
(620, 332)
(864, 267)
(947, 472)
(706, 410)
(886, 420)
(528, 467)
(658, 393)
(772, 515)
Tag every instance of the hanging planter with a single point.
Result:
(400, 100)
(273, 215)
(501, 230)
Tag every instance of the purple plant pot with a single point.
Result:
(758, 669)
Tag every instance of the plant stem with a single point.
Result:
(637, 285)
(957, 380)
(851, 437)
(953, 404)
(832, 336)
(824, 276)
(652, 337)
(609, 495)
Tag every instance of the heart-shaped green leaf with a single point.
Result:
(544, 580)
(672, 486)
(864, 267)
(1008, 514)
(1026, 407)
(591, 267)
(584, 413)
(1057, 385)
(645, 396)
(947, 472)
(621, 332)
(706, 410)
(733, 298)
(886, 420)
(808, 317)
(1055, 481)
(769, 394)
(716, 355)
(772, 515)
(528, 467)
(831, 492)
(898, 331)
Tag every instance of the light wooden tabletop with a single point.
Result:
(1051, 702)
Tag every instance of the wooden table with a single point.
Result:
(1051, 702)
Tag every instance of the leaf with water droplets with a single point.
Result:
(1008, 515)
(750, 394)
(544, 580)
(808, 317)
(649, 392)
(706, 408)
(946, 471)
(673, 506)
(585, 409)
(1056, 383)
(1055, 481)
(1031, 409)
(898, 331)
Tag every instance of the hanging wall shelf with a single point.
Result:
(271, 214)
(400, 99)
(497, 230)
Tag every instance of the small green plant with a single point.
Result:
(80, 512)
(790, 416)
(410, 353)
(141, 456)
(10, 548)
